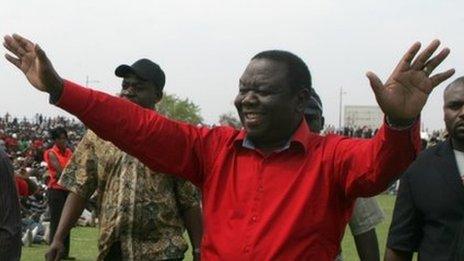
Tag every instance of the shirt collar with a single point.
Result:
(300, 137)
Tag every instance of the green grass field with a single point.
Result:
(84, 247)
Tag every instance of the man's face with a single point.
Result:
(268, 109)
(454, 112)
(139, 91)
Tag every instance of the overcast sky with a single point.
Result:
(204, 46)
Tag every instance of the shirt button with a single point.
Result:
(254, 218)
(247, 249)
(261, 188)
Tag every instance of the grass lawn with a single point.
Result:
(84, 247)
(387, 203)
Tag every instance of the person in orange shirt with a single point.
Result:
(57, 157)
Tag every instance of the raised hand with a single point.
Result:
(33, 62)
(406, 91)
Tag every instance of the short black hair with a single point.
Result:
(56, 133)
(458, 81)
(298, 73)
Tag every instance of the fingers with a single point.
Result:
(441, 77)
(13, 46)
(375, 82)
(435, 61)
(420, 61)
(13, 60)
(23, 42)
(40, 53)
(407, 57)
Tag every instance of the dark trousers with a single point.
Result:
(56, 200)
(115, 252)
(10, 247)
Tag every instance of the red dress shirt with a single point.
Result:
(291, 205)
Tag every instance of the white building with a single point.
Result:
(360, 116)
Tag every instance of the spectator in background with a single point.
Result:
(30, 169)
(24, 184)
(57, 157)
(10, 216)
(366, 212)
(429, 206)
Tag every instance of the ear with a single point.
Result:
(158, 96)
(302, 96)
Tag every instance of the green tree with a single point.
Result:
(176, 108)
(229, 119)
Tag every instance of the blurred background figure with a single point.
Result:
(56, 158)
(10, 216)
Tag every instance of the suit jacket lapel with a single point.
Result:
(447, 166)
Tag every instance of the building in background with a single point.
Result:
(362, 116)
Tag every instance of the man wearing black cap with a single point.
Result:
(366, 212)
(142, 214)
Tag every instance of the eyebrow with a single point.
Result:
(454, 101)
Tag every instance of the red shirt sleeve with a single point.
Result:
(163, 145)
(366, 167)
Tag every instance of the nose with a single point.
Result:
(249, 98)
(461, 112)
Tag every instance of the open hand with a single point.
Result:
(33, 62)
(406, 91)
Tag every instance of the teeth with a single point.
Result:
(251, 115)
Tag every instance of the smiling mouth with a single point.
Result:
(252, 118)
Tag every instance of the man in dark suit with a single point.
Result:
(429, 208)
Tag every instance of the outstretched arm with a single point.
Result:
(164, 145)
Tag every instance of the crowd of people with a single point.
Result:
(25, 141)
(272, 190)
(365, 132)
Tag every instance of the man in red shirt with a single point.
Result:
(24, 185)
(274, 190)
(57, 157)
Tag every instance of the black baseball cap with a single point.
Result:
(144, 69)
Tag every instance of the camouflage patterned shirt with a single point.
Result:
(136, 207)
